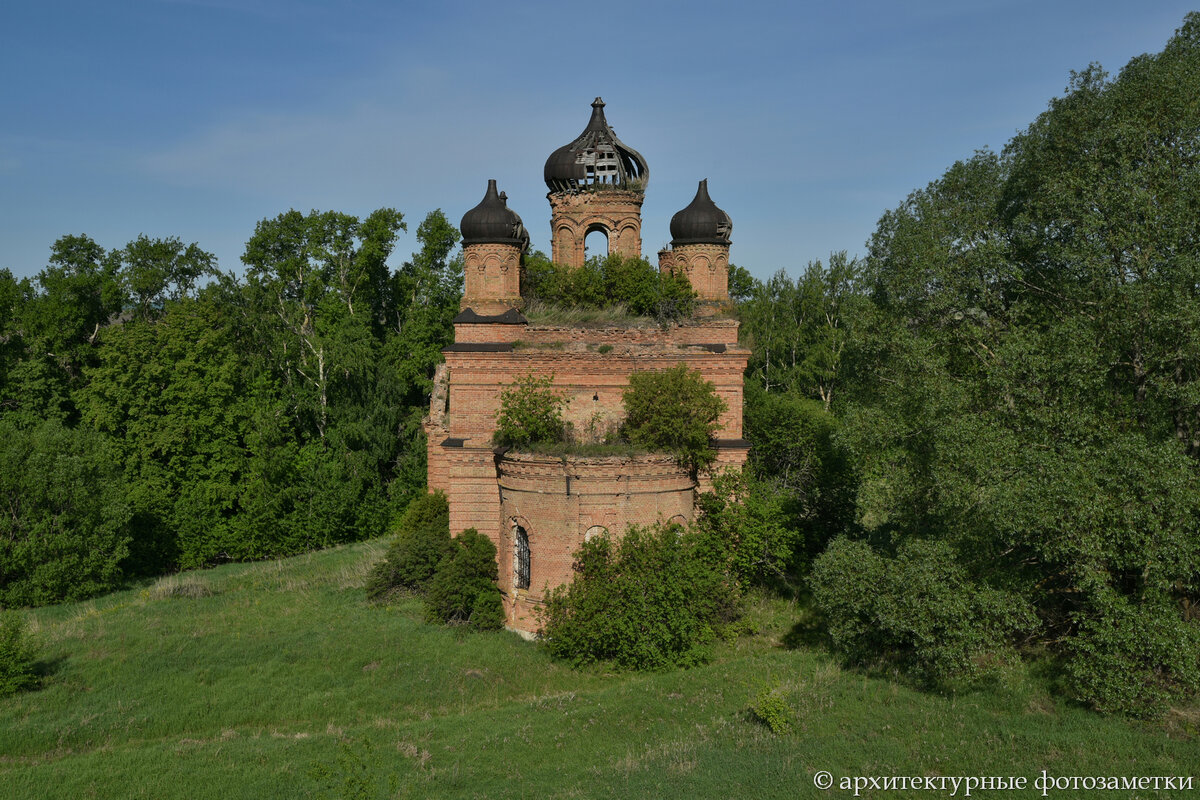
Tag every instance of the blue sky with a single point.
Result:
(197, 118)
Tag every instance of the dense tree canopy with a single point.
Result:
(1023, 380)
(213, 418)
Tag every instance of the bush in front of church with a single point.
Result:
(422, 540)
(463, 590)
(652, 600)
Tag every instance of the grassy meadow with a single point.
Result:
(277, 679)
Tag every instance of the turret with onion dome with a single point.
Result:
(596, 183)
(493, 240)
(493, 222)
(701, 222)
(700, 248)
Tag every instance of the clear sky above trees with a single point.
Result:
(196, 118)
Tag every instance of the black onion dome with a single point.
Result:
(701, 222)
(493, 222)
(596, 158)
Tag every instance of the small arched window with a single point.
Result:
(520, 557)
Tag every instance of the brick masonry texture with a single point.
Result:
(462, 461)
(574, 215)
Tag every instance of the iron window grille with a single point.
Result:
(521, 557)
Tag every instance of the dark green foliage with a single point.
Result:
(65, 527)
(463, 590)
(530, 413)
(1134, 657)
(155, 271)
(17, 656)
(919, 610)
(793, 451)
(752, 527)
(1021, 391)
(422, 540)
(241, 420)
(610, 280)
(675, 411)
(653, 600)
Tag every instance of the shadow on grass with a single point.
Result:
(48, 667)
(806, 633)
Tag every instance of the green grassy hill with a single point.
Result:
(278, 680)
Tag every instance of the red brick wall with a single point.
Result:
(711, 331)
(491, 278)
(573, 214)
(612, 493)
(558, 501)
(706, 267)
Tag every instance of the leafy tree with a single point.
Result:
(171, 392)
(675, 411)
(799, 330)
(65, 530)
(1023, 393)
(463, 590)
(422, 540)
(741, 284)
(54, 329)
(652, 600)
(155, 271)
(426, 291)
(324, 277)
(530, 413)
(751, 527)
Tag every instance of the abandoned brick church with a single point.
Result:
(537, 509)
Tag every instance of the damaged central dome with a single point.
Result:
(596, 158)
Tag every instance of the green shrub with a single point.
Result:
(530, 413)
(1133, 659)
(771, 709)
(17, 656)
(611, 280)
(463, 590)
(650, 601)
(675, 411)
(918, 611)
(422, 540)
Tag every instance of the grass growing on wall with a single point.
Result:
(278, 679)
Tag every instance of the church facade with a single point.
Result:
(538, 509)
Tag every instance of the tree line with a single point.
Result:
(157, 415)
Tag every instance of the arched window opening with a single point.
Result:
(596, 243)
(520, 557)
(594, 531)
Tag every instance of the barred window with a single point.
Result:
(521, 557)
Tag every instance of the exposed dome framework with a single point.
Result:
(596, 159)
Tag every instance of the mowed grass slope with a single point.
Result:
(249, 680)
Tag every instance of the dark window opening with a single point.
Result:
(521, 557)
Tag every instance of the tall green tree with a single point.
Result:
(1024, 380)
